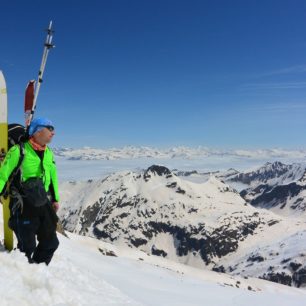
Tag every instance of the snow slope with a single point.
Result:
(80, 275)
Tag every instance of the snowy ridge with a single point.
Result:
(131, 152)
(161, 214)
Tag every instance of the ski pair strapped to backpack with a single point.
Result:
(31, 96)
(16, 133)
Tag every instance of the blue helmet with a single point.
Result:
(38, 124)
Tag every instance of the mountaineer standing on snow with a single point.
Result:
(34, 192)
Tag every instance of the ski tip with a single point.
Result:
(30, 83)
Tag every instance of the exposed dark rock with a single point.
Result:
(89, 216)
(285, 260)
(108, 252)
(219, 269)
(243, 193)
(158, 252)
(299, 277)
(248, 228)
(273, 222)
(299, 203)
(123, 215)
(157, 170)
(192, 210)
(277, 196)
(295, 266)
(281, 278)
(171, 185)
(179, 190)
(220, 242)
(255, 258)
(138, 242)
(102, 234)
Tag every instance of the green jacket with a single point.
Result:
(31, 167)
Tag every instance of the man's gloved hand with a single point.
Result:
(55, 206)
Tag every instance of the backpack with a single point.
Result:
(16, 136)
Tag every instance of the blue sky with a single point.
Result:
(225, 74)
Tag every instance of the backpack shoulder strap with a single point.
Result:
(21, 157)
(17, 170)
(15, 176)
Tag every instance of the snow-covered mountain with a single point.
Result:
(131, 152)
(271, 174)
(277, 187)
(162, 214)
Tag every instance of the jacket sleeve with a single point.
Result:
(8, 165)
(54, 179)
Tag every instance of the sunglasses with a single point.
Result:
(49, 127)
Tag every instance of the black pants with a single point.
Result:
(38, 223)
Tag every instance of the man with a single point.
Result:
(34, 196)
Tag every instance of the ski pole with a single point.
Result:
(47, 46)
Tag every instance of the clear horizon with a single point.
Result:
(162, 73)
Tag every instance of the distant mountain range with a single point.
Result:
(275, 186)
(130, 152)
(207, 225)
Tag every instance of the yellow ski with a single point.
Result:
(8, 233)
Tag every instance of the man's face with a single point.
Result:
(44, 136)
